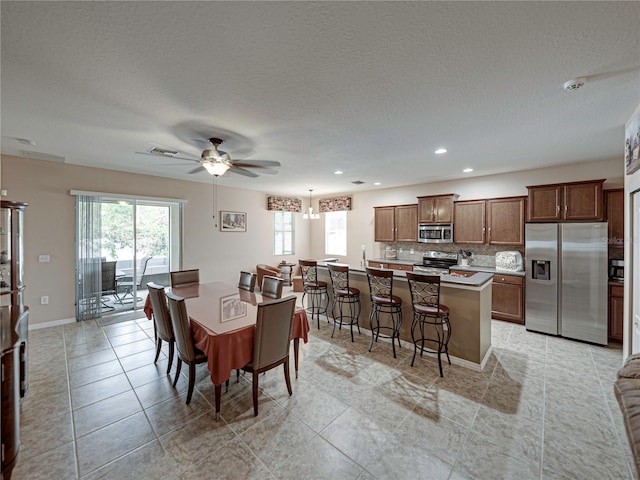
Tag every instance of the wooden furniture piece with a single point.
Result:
(316, 289)
(436, 208)
(507, 298)
(396, 223)
(496, 221)
(566, 202)
(184, 277)
(247, 281)
(616, 312)
(430, 316)
(345, 297)
(187, 350)
(14, 326)
(223, 319)
(614, 200)
(271, 342)
(383, 301)
(162, 322)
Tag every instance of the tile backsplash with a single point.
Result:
(481, 255)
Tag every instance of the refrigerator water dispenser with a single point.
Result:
(541, 269)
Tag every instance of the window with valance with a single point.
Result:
(284, 204)
(336, 204)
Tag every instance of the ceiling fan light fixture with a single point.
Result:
(215, 168)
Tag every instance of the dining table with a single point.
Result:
(223, 320)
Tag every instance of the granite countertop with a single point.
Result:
(394, 261)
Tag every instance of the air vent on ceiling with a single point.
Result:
(357, 182)
(163, 151)
(43, 156)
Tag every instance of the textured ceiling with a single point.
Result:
(370, 88)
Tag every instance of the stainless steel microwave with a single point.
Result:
(435, 233)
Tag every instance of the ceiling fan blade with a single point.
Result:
(263, 170)
(197, 170)
(169, 156)
(242, 171)
(256, 163)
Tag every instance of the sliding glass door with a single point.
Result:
(123, 243)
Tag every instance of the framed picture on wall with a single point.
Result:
(233, 221)
(632, 143)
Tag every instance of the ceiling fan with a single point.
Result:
(217, 162)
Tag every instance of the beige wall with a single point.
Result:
(360, 220)
(50, 226)
(50, 219)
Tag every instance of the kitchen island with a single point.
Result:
(469, 302)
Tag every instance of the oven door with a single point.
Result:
(432, 233)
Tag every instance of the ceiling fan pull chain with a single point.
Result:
(214, 195)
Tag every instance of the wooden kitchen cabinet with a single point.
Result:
(575, 201)
(507, 298)
(497, 221)
(436, 208)
(396, 223)
(616, 312)
(614, 200)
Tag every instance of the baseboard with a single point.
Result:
(53, 323)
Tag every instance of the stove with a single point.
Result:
(436, 263)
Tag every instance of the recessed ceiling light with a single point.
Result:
(338, 172)
(440, 151)
(377, 183)
(467, 170)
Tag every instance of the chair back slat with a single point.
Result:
(185, 277)
(272, 287)
(108, 277)
(160, 311)
(380, 282)
(309, 271)
(273, 331)
(339, 275)
(247, 281)
(181, 327)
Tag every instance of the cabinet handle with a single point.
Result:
(558, 209)
(566, 207)
(2, 373)
(489, 231)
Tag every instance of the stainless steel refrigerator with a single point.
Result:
(566, 280)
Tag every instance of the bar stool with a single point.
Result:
(344, 294)
(429, 312)
(315, 288)
(384, 301)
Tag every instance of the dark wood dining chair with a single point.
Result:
(184, 277)
(272, 287)
(187, 351)
(247, 281)
(271, 341)
(161, 322)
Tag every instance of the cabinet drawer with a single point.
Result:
(406, 268)
(378, 265)
(509, 279)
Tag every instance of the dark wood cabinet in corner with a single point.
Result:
(396, 223)
(567, 202)
(616, 313)
(507, 298)
(614, 200)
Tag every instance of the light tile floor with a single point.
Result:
(543, 408)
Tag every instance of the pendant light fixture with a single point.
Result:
(310, 215)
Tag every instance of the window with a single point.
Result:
(335, 233)
(283, 233)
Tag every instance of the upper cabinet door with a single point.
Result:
(406, 222)
(384, 224)
(505, 219)
(615, 216)
(544, 203)
(583, 201)
(469, 226)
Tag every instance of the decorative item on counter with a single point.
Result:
(464, 257)
(510, 261)
(363, 260)
(390, 253)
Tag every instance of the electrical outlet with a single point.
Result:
(44, 300)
